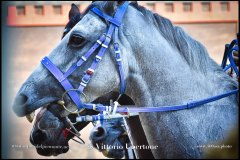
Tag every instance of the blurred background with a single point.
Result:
(31, 29)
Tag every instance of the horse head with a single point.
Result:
(42, 88)
(110, 138)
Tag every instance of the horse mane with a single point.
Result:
(192, 51)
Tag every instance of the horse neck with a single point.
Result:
(161, 76)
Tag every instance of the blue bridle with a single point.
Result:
(103, 42)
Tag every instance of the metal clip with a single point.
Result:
(62, 103)
(85, 81)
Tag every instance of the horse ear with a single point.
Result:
(73, 11)
(111, 6)
(134, 2)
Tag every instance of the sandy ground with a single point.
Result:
(29, 45)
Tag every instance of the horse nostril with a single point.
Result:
(21, 100)
(20, 105)
(39, 136)
(99, 133)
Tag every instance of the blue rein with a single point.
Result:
(103, 42)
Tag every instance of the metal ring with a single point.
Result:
(74, 90)
(62, 104)
(72, 122)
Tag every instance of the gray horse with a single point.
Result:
(153, 78)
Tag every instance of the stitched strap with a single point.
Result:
(119, 15)
(119, 62)
(86, 78)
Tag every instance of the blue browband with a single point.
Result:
(104, 42)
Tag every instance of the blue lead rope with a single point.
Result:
(122, 109)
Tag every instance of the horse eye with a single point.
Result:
(76, 40)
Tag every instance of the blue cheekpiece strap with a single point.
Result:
(65, 83)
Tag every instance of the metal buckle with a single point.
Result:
(84, 58)
(62, 103)
(83, 80)
(98, 58)
(117, 51)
